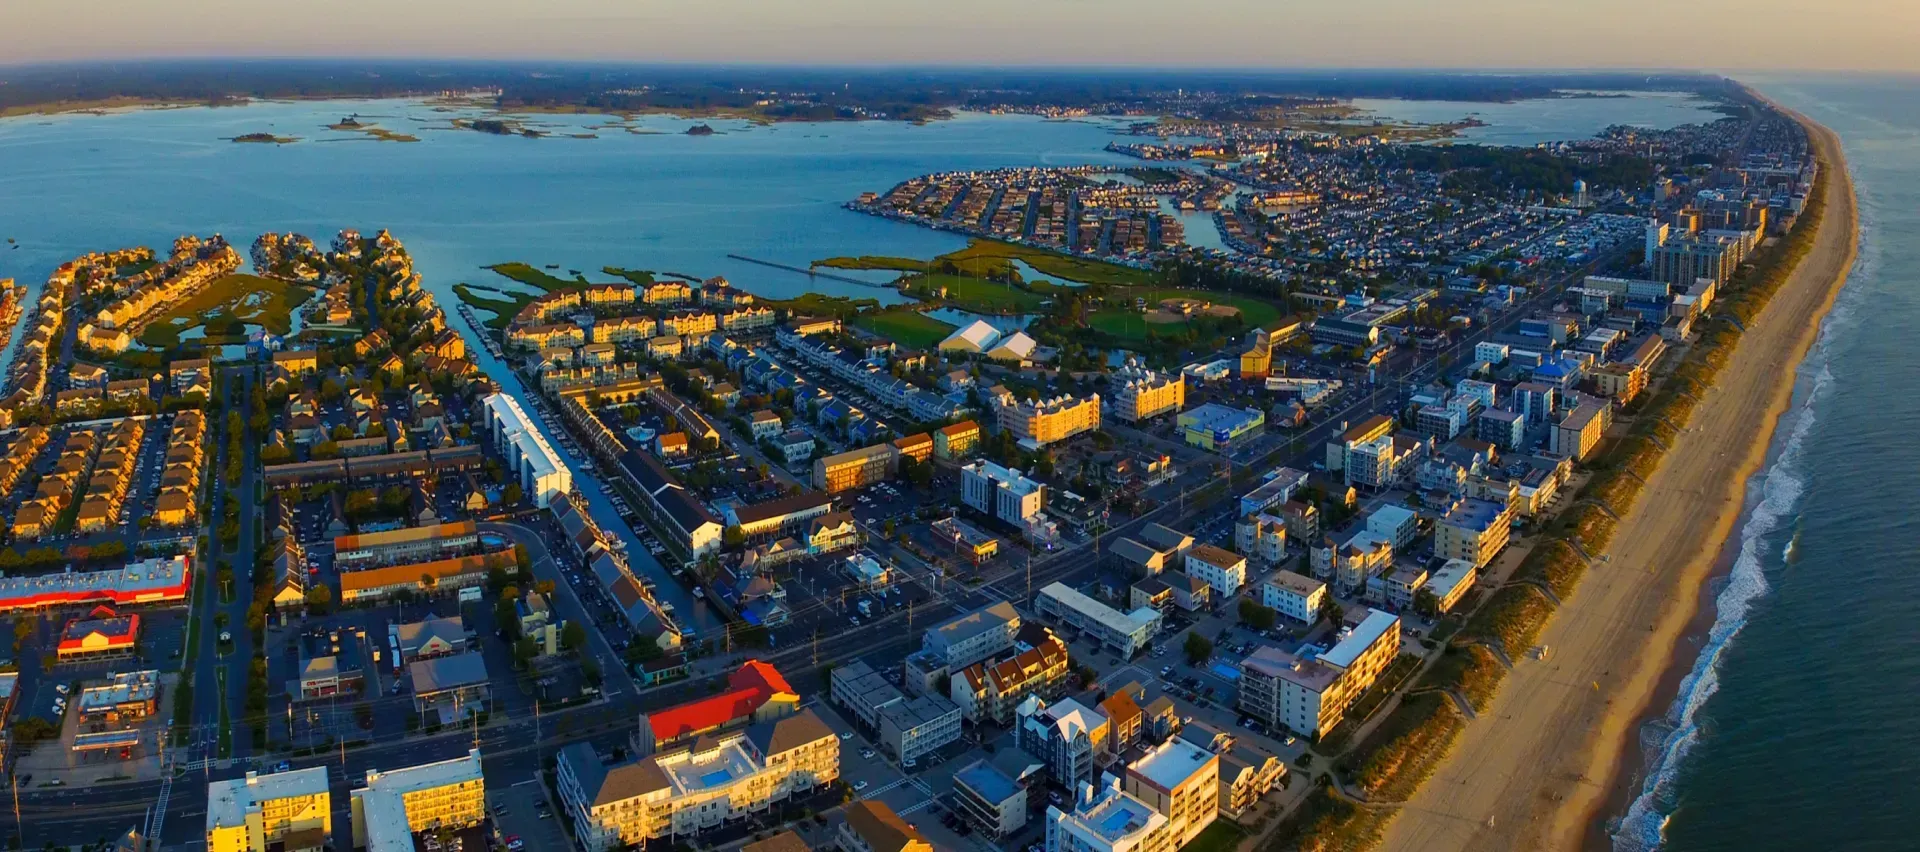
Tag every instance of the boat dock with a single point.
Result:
(480, 329)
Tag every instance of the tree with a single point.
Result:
(524, 650)
(573, 637)
(513, 494)
(1426, 603)
(320, 598)
(1255, 615)
(1331, 611)
(1198, 649)
(521, 559)
(734, 538)
(508, 617)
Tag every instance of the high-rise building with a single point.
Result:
(1181, 781)
(1310, 697)
(1107, 819)
(1048, 421)
(289, 810)
(395, 804)
(1001, 493)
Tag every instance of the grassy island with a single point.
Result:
(225, 307)
(266, 138)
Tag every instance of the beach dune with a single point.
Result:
(1538, 770)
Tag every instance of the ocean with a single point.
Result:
(1792, 730)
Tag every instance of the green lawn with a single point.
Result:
(817, 305)
(907, 328)
(1078, 269)
(1128, 324)
(1221, 836)
(976, 294)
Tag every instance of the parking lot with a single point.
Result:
(520, 810)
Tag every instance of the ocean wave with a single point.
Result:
(1643, 828)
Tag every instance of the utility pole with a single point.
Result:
(1029, 575)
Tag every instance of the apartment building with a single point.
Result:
(1473, 530)
(291, 810)
(957, 441)
(992, 794)
(1311, 696)
(1067, 736)
(1261, 537)
(1181, 782)
(696, 786)
(1451, 581)
(1125, 632)
(755, 692)
(1048, 421)
(974, 637)
(1247, 776)
(855, 469)
(1295, 596)
(410, 544)
(1375, 427)
(1348, 564)
(1223, 570)
(532, 461)
(394, 805)
(1137, 393)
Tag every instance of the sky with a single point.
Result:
(1719, 35)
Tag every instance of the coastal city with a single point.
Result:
(1100, 537)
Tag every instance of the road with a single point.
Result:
(618, 677)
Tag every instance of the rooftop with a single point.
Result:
(1298, 584)
(228, 801)
(1476, 515)
(444, 673)
(1367, 632)
(994, 617)
(1171, 763)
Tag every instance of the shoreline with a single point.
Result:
(1627, 775)
(1537, 770)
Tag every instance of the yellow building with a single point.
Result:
(956, 441)
(1138, 393)
(290, 809)
(1180, 781)
(1048, 421)
(854, 469)
(1256, 363)
(917, 447)
(393, 805)
(668, 293)
(1620, 381)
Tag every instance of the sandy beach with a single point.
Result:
(1538, 770)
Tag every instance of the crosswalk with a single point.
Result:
(916, 783)
(156, 818)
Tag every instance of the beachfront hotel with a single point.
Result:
(1309, 696)
(1043, 422)
(1180, 781)
(1107, 819)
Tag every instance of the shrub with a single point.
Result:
(1407, 747)
(1512, 619)
(1590, 527)
(1553, 564)
(1328, 823)
(1472, 670)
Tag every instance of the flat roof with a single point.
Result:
(991, 617)
(914, 712)
(409, 535)
(228, 801)
(986, 781)
(1171, 763)
(1478, 515)
(383, 802)
(1299, 584)
(1367, 632)
(1113, 619)
(452, 672)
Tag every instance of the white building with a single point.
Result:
(533, 461)
(1310, 696)
(1066, 735)
(1005, 494)
(448, 794)
(1225, 571)
(1107, 819)
(975, 636)
(1295, 596)
(1395, 523)
(1125, 632)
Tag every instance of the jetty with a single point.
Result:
(811, 272)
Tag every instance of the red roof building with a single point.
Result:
(156, 580)
(757, 692)
(103, 632)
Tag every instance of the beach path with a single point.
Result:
(1541, 763)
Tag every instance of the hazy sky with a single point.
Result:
(1711, 34)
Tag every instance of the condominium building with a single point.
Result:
(755, 692)
(1451, 581)
(1001, 493)
(1473, 530)
(531, 460)
(1137, 393)
(1067, 736)
(1246, 776)
(393, 805)
(1125, 632)
(1224, 570)
(1295, 596)
(990, 690)
(1581, 431)
(1310, 696)
(696, 786)
(1372, 428)
(291, 810)
(912, 727)
(1262, 537)
(992, 794)
(855, 468)
(1107, 819)
(1180, 781)
(1047, 421)
(409, 544)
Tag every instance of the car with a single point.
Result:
(283, 766)
(846, 735)
(859, 785)
(61, 688)
(514, 843)
(908, 763)
(867, 753)
(1290, 740)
